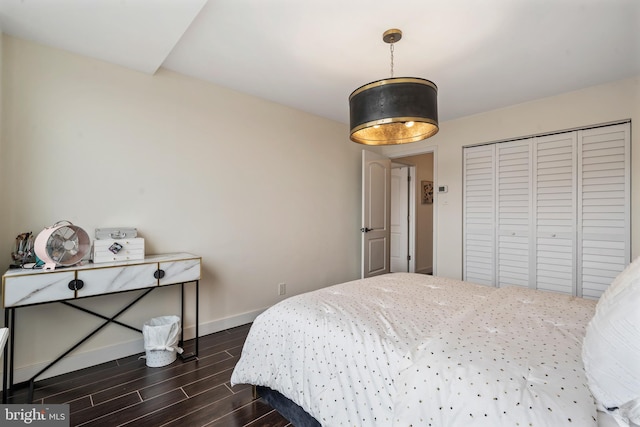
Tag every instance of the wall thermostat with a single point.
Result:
(443, 189)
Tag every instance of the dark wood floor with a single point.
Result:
(126, 392)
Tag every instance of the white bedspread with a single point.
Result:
(407, 349)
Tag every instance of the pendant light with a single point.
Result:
(396, 110)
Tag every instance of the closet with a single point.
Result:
(549, 212)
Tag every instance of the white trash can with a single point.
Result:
(161, 337)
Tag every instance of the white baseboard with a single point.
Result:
(123, 349)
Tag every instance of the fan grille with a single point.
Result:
(64, 245)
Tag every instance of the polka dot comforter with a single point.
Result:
(414, 350)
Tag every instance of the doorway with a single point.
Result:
(413, 213)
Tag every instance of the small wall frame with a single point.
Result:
(427, 192)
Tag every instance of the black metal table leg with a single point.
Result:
(181, 315)
(194, 355)
(12, 347)
(5, 362)
(31, 387)
(197, 314)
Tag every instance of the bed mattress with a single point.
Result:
(409, 349)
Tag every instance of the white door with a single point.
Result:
(376, 214)
(604, 217)
(400, 219)
(478, 196)
(554, 212)
(513, 213)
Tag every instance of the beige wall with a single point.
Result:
(265, 194)
(4, 178)
(595, 105)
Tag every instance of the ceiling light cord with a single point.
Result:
(391, 50)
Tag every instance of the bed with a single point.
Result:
(407, 349)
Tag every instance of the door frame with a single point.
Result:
(396, 156)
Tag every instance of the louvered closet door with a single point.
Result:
(555, 212)
(604, 214)
(479, 214)
(513, 185)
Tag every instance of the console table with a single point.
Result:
(28, 287)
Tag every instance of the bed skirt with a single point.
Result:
(288, 409)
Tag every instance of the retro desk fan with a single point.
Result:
(63, 244)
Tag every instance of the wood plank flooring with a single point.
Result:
(125, 392)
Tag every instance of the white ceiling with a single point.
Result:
(310, 55)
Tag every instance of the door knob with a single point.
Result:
(366, 230)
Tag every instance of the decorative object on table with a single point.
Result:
(397, 110)
(117, 244)
(115, 248)
(23, 251)
(427, 192)
(62, 245)
(116, 233)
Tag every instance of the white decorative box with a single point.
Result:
(109, 250)
(116, 233)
